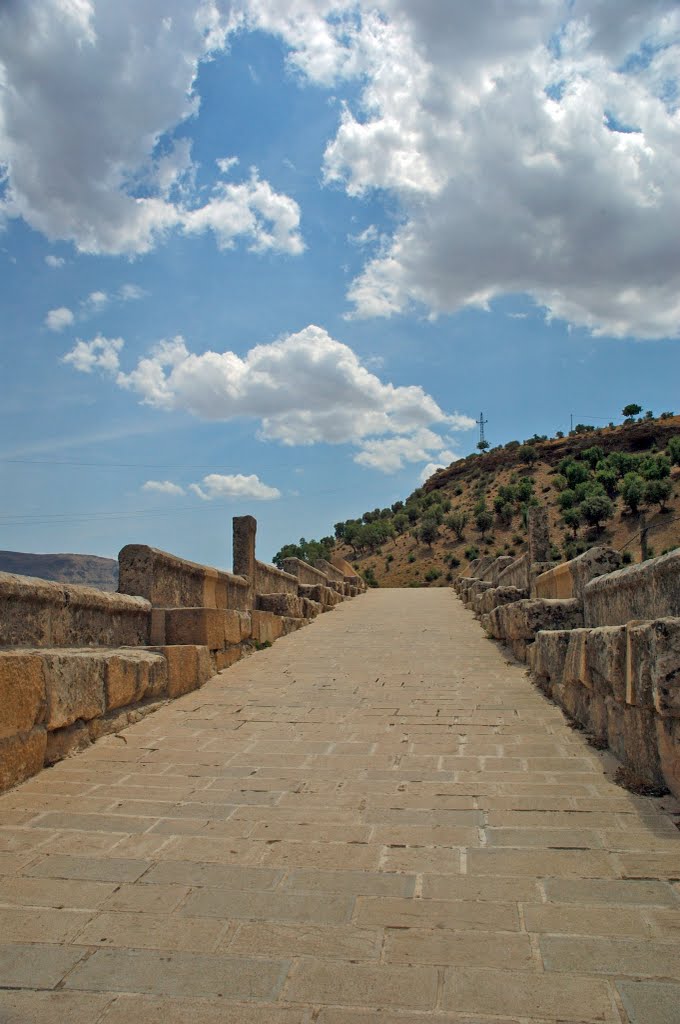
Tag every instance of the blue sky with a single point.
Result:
(276, 258)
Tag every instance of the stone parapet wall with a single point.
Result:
(622, 684)
(56, 701)
(516, 574)
(649, 590)
(171, 582)
(568, 579)
(601, 641)
(37, 613)
(270, 580)
(306, 574)
(77, 663)
(330, 571)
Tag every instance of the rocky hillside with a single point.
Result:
(600, 486)
(86, 570)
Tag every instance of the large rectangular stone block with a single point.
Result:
(281, 604)
(38, 613)
(650, 590)
(134, 676)
(606, 654)
(523, 619)
(74, 684)
(267, 627)
(237, 626)
(653, 666)
(570, 578)
(547, 656)
(188, 667)
(22, 692)
(202, 626)
(21, 756)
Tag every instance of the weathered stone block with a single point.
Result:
(63, 742)
(650, 590)
(267, 627)
(497, 596)
(21, 756)
(329, 570)
(538, 534)
(292, 625)
(305, 572)
(225, 659)
(310, 609)
(130, 677)
(22, 692)
(523, 619)
(182, 668)
(516, 574)
(476, 587)
(547, 656)
(74, 684)
(237, 626)
(281, 604)
(123, 682)
(202, 626)
(606, 654)
(37, 613)
(632, 736)
(270, 580)
(653, 665)
(575, 663)
(668, 743)
(570, 578)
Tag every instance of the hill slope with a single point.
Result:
(584, 480)
(86, 570)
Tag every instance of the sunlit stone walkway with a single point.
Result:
(379, 819)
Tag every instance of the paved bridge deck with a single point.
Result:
(377, 820)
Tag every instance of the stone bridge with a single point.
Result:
(379, 819)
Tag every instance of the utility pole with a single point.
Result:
(571, 420)
(482, 444)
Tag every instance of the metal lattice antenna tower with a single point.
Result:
(481, 423)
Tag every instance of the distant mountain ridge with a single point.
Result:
(84, 570)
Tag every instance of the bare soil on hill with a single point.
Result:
(405, 561)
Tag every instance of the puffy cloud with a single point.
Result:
(118, 79)
(58, 319)
(390, 454)
(304, 388)
(432, 467)
(99, 354)
(235, 486)
(54, 261)
(532, 148)
(251, 209)
(163, 487)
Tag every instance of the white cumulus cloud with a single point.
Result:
(236, 485)
(390, 454)
(99, 354)
(58, 319)
(54, 261)
(532, 148)
(163, 487)
(304, 388)
(119, 79)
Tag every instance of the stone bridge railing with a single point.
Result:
(77, 663)
(602, 641)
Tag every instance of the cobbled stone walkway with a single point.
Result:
(377, 820)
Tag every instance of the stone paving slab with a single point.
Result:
(377, 821)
